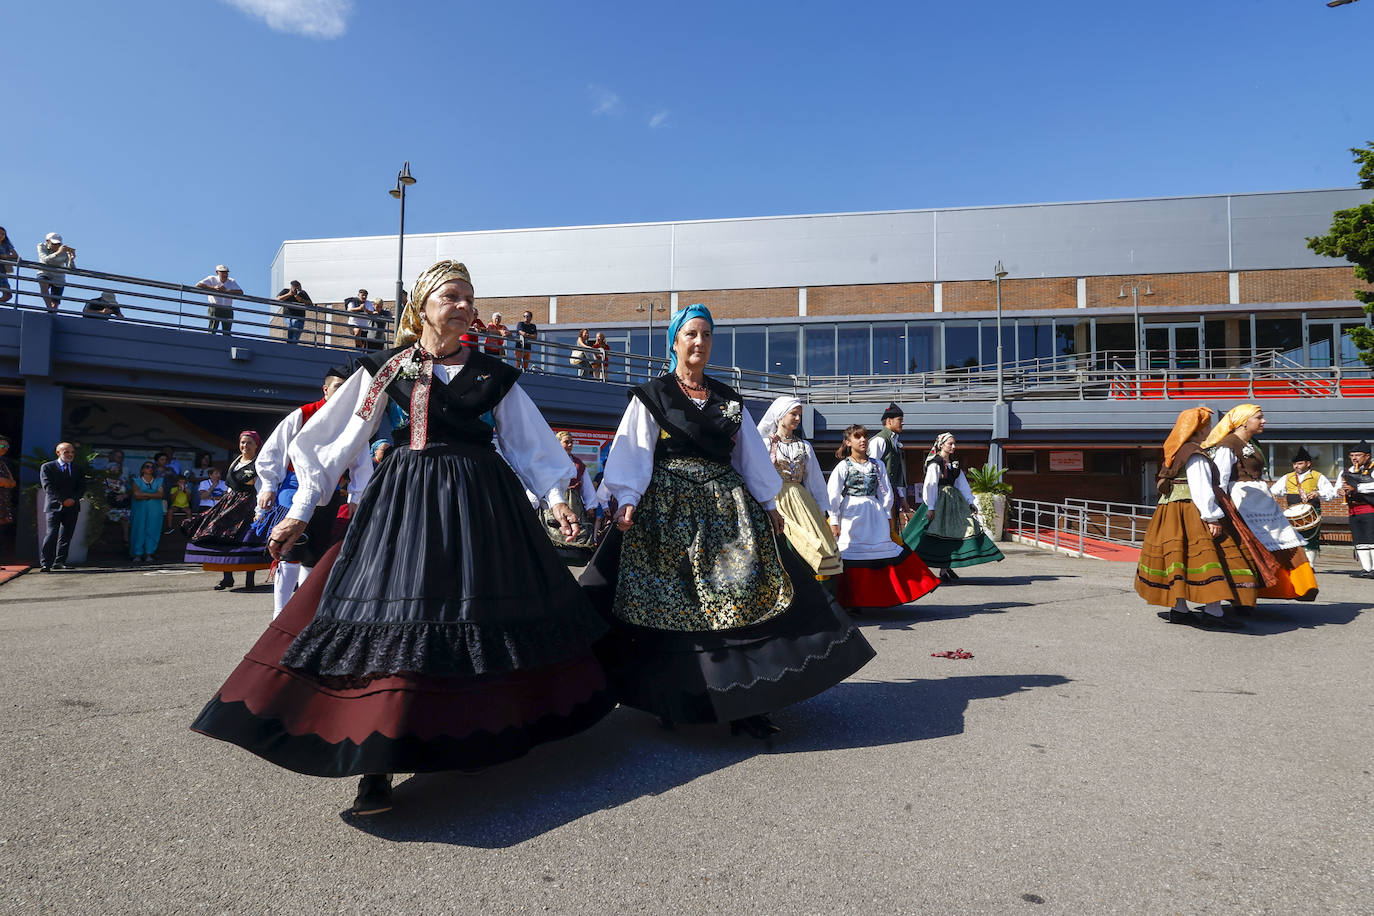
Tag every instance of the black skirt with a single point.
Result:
(720, 675)
(443, 633)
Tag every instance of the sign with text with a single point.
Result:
(1066, 461)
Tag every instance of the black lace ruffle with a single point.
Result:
(336, 648)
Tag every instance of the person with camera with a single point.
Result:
(293, 299)
(52, 280)
(221, 307)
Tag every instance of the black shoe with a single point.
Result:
(60, 566)
(221, 585)
(374, 795)
(760, 727)
(948, 575)
(1184, 617)
(45, 569)
(1224, 622)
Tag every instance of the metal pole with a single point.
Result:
(400, 255)
(1135, 312)
(998, 274)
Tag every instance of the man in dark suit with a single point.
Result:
(63, 482)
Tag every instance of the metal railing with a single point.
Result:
(1118, 523)
(1068, 525)
(1053, 518)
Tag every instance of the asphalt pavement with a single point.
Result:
(1089, 758)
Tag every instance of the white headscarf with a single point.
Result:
(768, 426)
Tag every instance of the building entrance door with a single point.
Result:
(1174, 346)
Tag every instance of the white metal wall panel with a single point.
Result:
(1271, 230)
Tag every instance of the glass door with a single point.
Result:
(1173, 346)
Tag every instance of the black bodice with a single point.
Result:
(690, 431)
(460, 412)
(949, 470)
(242, 478)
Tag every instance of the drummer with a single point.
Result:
(1304, 490)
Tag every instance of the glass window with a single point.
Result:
(889, 348)
(723, 347)
(1034, 338)
(1350, 354)
(1067, 335)
(1281, 334)
(920, 347)
(852, 349)
(961, 345)
(1020, 462)
(782, 350)
(1115, 342)
(989, 351)
(556, 361)
(820, 348)
(751, 348)
(1320, 342)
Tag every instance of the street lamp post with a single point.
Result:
(998, 272)
(1135, 312)
(650, 306)
(403, 180)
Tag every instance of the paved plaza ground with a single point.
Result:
(1089, 758)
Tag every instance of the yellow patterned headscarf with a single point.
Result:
(435, 276)
(1235, 418)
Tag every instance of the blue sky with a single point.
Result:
(164, 136)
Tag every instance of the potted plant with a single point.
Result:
(990, 491)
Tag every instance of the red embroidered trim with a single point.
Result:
(384, 377)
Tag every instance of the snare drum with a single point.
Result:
(1303, 517)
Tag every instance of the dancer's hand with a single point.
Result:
(567, 521)
(835, 530)
(265, 500)
(1214, 529)
(777, 519)
(625, 517)
(284, 537)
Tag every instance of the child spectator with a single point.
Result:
(178, 500)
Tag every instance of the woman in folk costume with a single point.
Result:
(1357, 485)
(803, 487)
(944, 530)
(1192, 550)
(443, 633)
(1306, 487)
(878, 572)
(223, 540)
(580, 495)
(1241, 465)
(713, 620)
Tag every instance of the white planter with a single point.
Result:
(993, 526)
(76, 553)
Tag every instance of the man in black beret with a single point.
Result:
(1357, 485)
(886, 446)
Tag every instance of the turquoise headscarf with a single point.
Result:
(695, 310)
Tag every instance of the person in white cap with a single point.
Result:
(53, 254)
(221, 307)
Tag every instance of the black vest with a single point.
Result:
(1354, 479)
(459, 412)
(949, 470)
(687, 430)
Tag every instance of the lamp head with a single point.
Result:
(405, 176)
(395, 192)
(999, 271)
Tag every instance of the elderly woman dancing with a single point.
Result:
(1192, 549)
(803, 487)
(712, 619)
(1242, 465)
(443, 633)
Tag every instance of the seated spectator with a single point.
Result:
(178, 501)
(103, 306)
(52, 280)
(210, 490)
(7, 255)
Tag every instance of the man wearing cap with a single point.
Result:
(1357, 485)
(221, 307)
(886, 446)
(1305, 485)
(277, 485)
(54, 254)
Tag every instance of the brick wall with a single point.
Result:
(1308, 284)
(512, 307)
(871, 299)
(738, 303)
(598, 309)
(981, 295)
(1212, 288)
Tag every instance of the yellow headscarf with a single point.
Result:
(435, 276)
(1235, 418)
(1185, 428)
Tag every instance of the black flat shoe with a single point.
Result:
(760, 727)
(1224, 622)
(1183, 617)
(374, 796)
(221, 586)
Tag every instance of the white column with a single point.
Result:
(939, 297)
(1082, 292)
(1233, 279)
(801, 301)
(672, 303)
(553, 310)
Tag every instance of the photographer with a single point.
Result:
(52, 253)
(294, 314)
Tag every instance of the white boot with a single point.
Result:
(1366, 555)
(284, 586)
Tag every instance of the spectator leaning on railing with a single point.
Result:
(293, 311)
(221, 307)
(7, 254)
(52, 280)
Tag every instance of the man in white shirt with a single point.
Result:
(361, 311)
(221, 307)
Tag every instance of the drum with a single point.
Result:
(1303, 517)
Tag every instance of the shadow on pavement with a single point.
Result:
(1272, 618)
(906, 616)
(628, 756)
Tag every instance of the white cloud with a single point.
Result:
(659, 118)
(604, 101)
(312, 18)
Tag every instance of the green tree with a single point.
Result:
(1352, 237)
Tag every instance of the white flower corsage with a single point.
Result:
(1248, 451)
(410, 366)
(732, 411)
